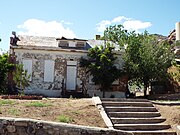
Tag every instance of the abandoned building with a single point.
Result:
(54, 69)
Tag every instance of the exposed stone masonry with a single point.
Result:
(18, 126)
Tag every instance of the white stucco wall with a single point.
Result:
(41, 49)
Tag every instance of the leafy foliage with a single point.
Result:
(101, 65)
(5, 67)
(21, 77)
(145, 58)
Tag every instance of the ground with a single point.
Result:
(75, 111)
(171, 113)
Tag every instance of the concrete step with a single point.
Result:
(134, 114)
(124, 99)
(123, 103)
(130, 109)
(137, 120)
(159, 132)
(138, 116)
(141, 127)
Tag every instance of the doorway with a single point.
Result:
(71, 75)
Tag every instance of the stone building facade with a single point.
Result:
(53, 66)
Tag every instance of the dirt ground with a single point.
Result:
(77, 111)
(171, 113)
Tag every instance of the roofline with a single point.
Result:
(73, 39)
(47, 48)
(55, 49)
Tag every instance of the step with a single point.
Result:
(124, 99)
(117, 103)
(141, 127)
(130, 109)
(137, 120)
(134, 114)
(157, 132)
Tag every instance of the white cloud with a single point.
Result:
(66, 22)
(119, 19)
(37, 27)
(136, 25)
(128, 23)
(102, 25)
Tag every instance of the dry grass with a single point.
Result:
(171, 113)
(75, 111)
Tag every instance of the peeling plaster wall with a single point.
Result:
(38, 86)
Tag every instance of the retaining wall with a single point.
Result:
(20, 126)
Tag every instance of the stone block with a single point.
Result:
(21, 123)
(21, 131)
(11, 128)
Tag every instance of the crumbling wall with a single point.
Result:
(60, 58)
(37, 85)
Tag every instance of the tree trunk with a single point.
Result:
(103, 89)
(145, 89)
(103, 93)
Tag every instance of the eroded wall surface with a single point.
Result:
(60, 58)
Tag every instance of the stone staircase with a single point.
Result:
(138, 116)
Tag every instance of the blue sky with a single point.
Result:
(84, 18)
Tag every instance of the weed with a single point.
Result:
(6, 102)
(15, 112)
(37, 104)
(65, 119)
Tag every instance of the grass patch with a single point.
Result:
(15, 112)
(65, 119)
(6, 102)
(37, 104)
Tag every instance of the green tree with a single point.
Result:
(145, 58)
(5, 67)
(20, 77)
(101, 65)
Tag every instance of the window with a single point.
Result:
(27, 65)
(48, 71)
(72, 44)
(80, 44)
(63, 44)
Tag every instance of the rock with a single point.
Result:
(31, 130)
(11, 128)
(21, 123)
(21, 131)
